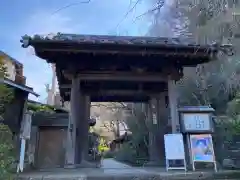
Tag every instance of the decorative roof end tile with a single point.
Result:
(25, 41)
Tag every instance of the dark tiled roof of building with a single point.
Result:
(104, 39)
(159, 42)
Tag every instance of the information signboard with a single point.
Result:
(196, 122)
(174, 149)
(202, 149)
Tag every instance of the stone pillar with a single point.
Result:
(73, 119)
(172, 95)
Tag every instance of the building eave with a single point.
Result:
(21, 87)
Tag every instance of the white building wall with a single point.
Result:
(11, 70)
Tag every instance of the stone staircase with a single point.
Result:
(136, 173)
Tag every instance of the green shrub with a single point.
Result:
(6, 142)
(7, 153)
(130, 155)
(109, 154)
(40, 108)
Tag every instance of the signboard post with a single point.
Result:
(202, 149)
(197, 126)
(174, 150)
(25, 134)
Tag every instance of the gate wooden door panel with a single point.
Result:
(51, 151)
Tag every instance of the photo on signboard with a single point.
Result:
(202, 148)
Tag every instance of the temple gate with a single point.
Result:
(117, 69)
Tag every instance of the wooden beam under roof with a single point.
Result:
(94, 92)
(125, 76)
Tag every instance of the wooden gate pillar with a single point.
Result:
(151, 144)
(79, 130)
(173, 96)
(158, 124)
(84, 127)
(74, 114)
(83, 134)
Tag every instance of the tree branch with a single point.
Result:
(70, 5)
(158, 7)
(127, 13)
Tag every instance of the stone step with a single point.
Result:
(136, 174)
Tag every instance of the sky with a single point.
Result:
(40, 17)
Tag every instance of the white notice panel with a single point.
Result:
(174, 147)
(174, 150)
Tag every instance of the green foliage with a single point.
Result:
(212, 84)
(109, 154)
(40, 108)
(102, 147)
(5, 92)
(234, 107)
(135, 151)
(6, 143)
(233, 112)
(227, 129)
(5, 97)
(236, 126)
(139, 128)
(131, 155)
(7, 153)
(127, 154)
